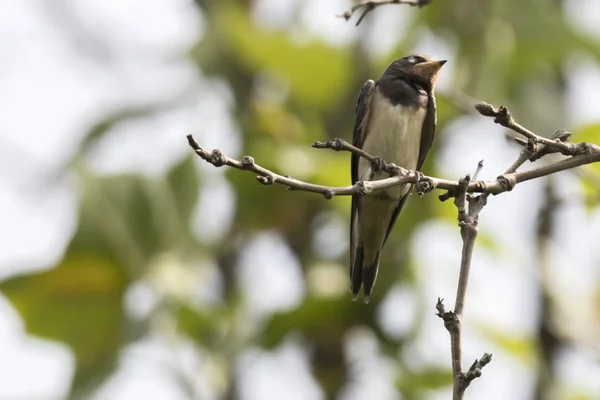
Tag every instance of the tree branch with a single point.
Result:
(399, 175)
(469, 207)
(559, 140)
(461, 380)
(369, 5)
(524, 155)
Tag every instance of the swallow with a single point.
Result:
(395, 121)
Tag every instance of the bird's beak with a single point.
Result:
(429, 68)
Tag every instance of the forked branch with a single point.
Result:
(366, 6)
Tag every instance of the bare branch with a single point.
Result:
(478, 170)
(543, 150)
(558, 141)
(468, 213)
(461, 380)
(268, 177)
(468, 207)
(524, 155)
(369, 5)
(475, 370)
(399, 176)
(338, 144)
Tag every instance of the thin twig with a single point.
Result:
(543, 150)
(468, 207)
(478, 170)
(502, 116)
(369, 5)
(268, 177)
(338, 144)
(502, 184)
(468, 211)
(461, 380)
(524, 155)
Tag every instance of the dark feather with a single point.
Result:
(361, 121)
(428, 131)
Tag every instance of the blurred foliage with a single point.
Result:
(78, 303)
(288, 92)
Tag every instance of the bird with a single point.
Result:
(395, 121)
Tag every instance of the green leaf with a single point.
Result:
(204, 327)
(522, 347)
(77, 303)
(97, 131)
(116, 221)
(320, 317)
(316, 73)
(589, 174)
(123, 224)
(183, 180)
(589, 133)
(412, 383)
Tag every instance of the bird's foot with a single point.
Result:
(424, 185)
(419, 177)
(377, 165)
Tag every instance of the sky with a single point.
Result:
(67, 63)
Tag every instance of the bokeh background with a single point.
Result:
(131, 269)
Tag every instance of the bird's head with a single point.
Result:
(416, 68)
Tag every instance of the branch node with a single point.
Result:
(439, 306)
(446, 196)
(451, 320)
(583, 148)
(363, 188)
(562, 134)
(266, 180)
(531, 145)
(391, 169)
(559, 136)
(503, 117)
(474, 371)
(247, 162)
(217, 158)
(486, 109)
(328, 194)
(378, 165)
(507, 182)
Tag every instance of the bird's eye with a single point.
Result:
(412, 60)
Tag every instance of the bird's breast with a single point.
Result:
(394, 134)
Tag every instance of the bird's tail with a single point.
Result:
(362, 274)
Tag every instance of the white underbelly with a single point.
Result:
(394, 134)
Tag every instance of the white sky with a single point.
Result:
(55, 81)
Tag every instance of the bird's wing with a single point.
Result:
(363, 107)
(360, 123)
(427, 134)
(428, 131)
